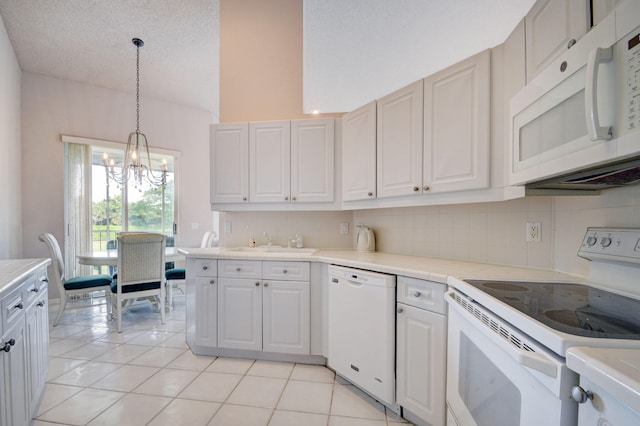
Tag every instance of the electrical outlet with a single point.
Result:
(534, 231)
(227, 226)
(344, 228)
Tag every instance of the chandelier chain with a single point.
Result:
(137, 89)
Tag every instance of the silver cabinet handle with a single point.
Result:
(257, 283)
(205, 267)
(400, 310)
(416, 188)
(212, 281)
(244, 198)
(293, 198)
(266, 284)
(40, 303)
(370, 194)
(286, 198)
(45, 280)
(425, 188)
(238, 269)
(571, 43)
(284, 271)
(416, 294)
(35, 289)
(580, 395)
(19, 306)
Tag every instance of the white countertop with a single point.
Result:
(13, 271)
(616, 371)
(426, 268)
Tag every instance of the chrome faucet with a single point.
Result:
(266, 234)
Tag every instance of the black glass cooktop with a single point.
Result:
(571, 308)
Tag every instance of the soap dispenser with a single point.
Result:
(299, 241)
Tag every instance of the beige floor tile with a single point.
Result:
(86, 374)
(189, 361)
(292, 418)
(349, 401)
(176, 341)
(123, 354)
(132, 410)
(258, 391)
(271, 369)
(158, 357)
(310, 397)
(238, 415)
(82, 407)
(150, 338)
(126, 378)
(59, 347)
(313, 373)
(58, 366)
(62, 331)
(167, 382)
(125, 336)
(92, 350)
(350, 421)
(215, 387)
(55, 394)
(231, 365)
(186, 412)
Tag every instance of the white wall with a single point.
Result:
(10, 207)
(51, 107)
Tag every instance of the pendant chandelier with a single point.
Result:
(136, 166)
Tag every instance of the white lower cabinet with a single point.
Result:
(24, 343)
(249, 305)
(421, 350)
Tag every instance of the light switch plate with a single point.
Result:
(344, 228)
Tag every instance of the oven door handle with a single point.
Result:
(533, 360)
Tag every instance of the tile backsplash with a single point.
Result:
(482, 232)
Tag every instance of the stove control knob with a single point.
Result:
(591, 241)
(606, 242)
(580, 395)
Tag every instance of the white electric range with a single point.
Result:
(508, 340)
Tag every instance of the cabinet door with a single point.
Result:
(270, 161)
(206, 321)
(229, 159)
(14, 394)
(551, 25)
(37, 335)
(421, 355)
(359, 153)
(399, 142)
(456, 126)
(312, 160)
(286, 319)
(239, 313)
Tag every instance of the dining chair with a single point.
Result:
(140, 272)
(76, 286)
(173, 275)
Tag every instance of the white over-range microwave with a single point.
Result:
(577, 124)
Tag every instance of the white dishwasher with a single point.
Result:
(362, 329)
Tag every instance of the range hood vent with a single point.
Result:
(592, 180)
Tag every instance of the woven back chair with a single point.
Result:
(76, 286)
(140, 272)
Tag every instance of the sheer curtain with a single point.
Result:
(77, 207)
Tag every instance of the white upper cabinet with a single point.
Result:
(457, 126)
(359, 153)
(312, 160)
(399, 142)
(552, 26)
(270, 161)
(229, 159)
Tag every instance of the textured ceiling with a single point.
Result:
(89, 41)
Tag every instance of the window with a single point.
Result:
(107, 207)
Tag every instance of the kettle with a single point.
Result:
(365, 239)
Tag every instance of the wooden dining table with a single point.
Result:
(110, 257)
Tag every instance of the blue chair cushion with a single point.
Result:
(175, 274)
(135, 287)
(87, 281)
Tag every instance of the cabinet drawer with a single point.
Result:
(240, 268)
(35, 286)
(422, 294)
(202, 267)
(13, 306)
(286, 271)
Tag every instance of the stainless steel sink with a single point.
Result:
(272, 250)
